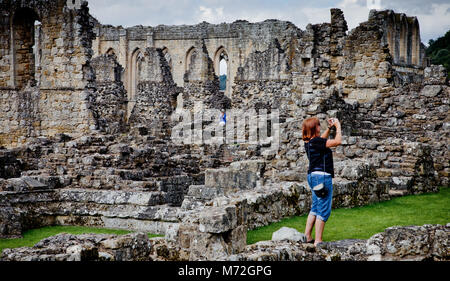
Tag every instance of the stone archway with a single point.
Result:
(189, 55)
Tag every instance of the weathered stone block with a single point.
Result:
(287, 233)
(218, 220)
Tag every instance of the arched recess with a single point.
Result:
(25, 46)
(134, 76)
(135, 68)
(168, 57)
(189, 55)
(221, 66)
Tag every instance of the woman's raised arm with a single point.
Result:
(338, 139)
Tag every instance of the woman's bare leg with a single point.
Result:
(320, 225)
(309, 226)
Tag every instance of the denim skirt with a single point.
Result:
(321, 207)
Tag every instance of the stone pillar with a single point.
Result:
(122, 57)
(338, 24)
(390, 35)
(150, 40)
(416, 43)
(12, 52)
(403, 39)
(96, 43)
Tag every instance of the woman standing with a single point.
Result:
(320, 171)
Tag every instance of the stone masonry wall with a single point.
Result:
(58, 103)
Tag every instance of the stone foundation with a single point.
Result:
(411, 243)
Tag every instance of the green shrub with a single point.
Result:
(439, 51)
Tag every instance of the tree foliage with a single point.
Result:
(439, 51)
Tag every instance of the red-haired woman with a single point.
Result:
(320, 171)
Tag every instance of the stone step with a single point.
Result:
(24, 183)
(397, 193)
(113, 197)
(202, 192)
(389, 172)
(239, 175)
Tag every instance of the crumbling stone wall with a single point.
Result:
(64, 32)
(58, 103)
(156, 97)
(108, 100)
(402, 34)
(237, 40)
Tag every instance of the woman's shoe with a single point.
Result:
(310, 241)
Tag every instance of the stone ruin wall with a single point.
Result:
(98, 150)
(44, 93)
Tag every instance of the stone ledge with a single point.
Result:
(417, 243)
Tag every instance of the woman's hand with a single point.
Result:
(330, 122)
(336, 122)
(338, 139)
(333, 122)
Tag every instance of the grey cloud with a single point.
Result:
(300, 12)
(413, 6)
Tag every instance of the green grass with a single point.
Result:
(364, 222)
(33, 236)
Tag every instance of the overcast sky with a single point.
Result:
(433, 15)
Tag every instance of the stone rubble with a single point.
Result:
(287, 233)
(410, 243)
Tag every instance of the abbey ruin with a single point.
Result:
(88, 111)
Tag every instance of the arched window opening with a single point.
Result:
(26, 28)
(139, 68)
(190, 56)
(223, 70)
(136, 69)
(134, 77)
(221, 66)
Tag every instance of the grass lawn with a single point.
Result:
(364, 222)
(33, 236)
